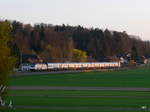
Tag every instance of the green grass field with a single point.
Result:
(77, 99)
(79, 93)
(82, 101)
(47, 110)
(129, 78)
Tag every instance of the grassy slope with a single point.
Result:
(79, 101)
(80, 93)
(129, 78)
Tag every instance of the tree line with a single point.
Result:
(58, 43)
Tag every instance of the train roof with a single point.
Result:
(84, 63)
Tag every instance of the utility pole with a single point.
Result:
(20, 60)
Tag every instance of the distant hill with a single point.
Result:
(56, 43)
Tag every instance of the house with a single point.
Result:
(148, 59)
(141, 60)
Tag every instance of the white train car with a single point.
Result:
(53, 66)
(82, 65)
(41, 66)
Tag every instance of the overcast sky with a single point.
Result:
(132, 16)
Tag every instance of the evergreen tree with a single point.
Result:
(134, 53)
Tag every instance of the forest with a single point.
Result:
(65, 43)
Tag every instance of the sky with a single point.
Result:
(132, 16)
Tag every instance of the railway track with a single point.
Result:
(62, 72)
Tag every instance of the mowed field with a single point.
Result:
(129, 78)
(59, 100)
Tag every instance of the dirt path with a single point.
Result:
(77, 96)
(81, 108)
(76, 88)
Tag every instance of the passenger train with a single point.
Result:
(70, 66)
